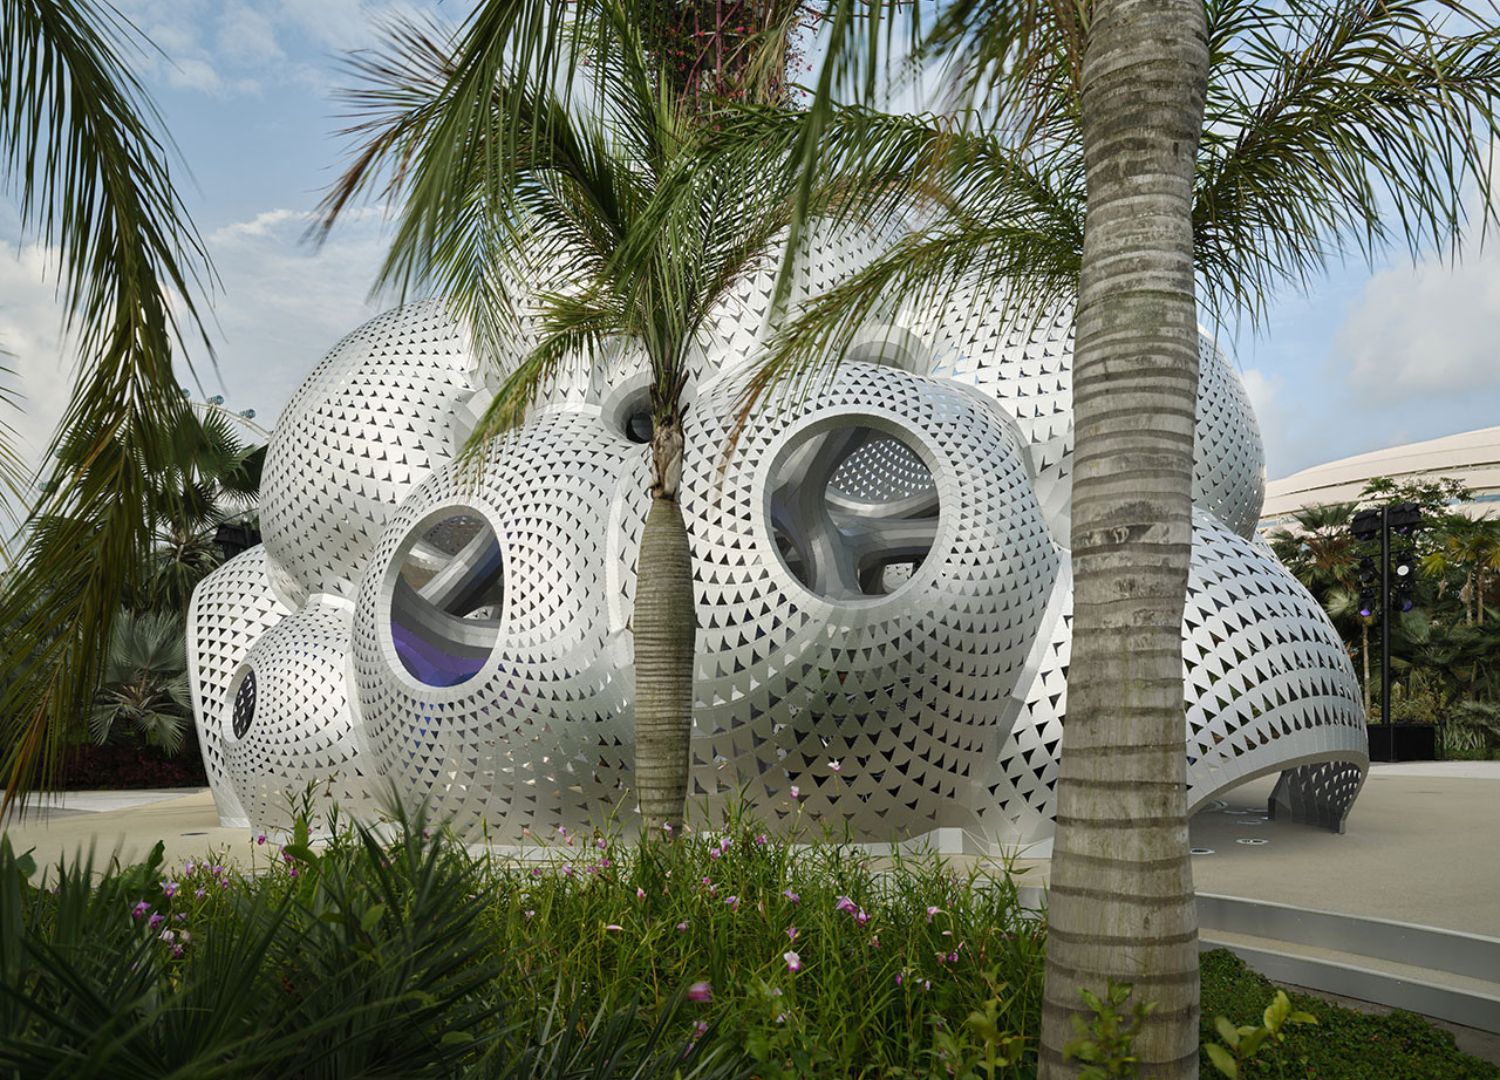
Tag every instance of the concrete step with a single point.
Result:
(1439, 973)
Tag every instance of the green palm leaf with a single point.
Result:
(91, 177)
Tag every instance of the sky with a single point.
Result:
(247, 89)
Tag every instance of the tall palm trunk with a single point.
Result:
(665, 627)
(1121, 901)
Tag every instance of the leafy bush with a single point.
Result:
(1341, 1045)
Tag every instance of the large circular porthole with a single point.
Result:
(854, 511)
(447, 598)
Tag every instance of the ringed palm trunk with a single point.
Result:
(665, 631)
(1121, 904)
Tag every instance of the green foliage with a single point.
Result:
(81, 150)
(1104, 1043)
(397, 952)
(145, 685)
(1341, 1045)
(1241, 1044)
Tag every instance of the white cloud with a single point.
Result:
(1424, 332)
(282, 305)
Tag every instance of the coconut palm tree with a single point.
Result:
(1226, 151)
(602, 195)
(80, 147)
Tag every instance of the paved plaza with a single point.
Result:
(1422, 845)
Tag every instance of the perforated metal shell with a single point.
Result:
(841, 619)
(1267, 683)
(900, 689)
(541, 734)
(371, 422)
(300, 736)
(231, 609)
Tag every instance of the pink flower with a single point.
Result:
(898, 978)
(156, 920)
(713, 853)
(700, 992)
(640, 893)
(189, 868)
(834, 766)
(600, 844)
(791, 933)
(536, 871)
(562, 830)
(567, 870)
(733, 902)
(845, 904)
(666, 827)
(529, 913)
(177, 950)
(793, 961)
(792, 897)
(724, 844)
(926, 984)
(200, 893)
(795, 793)
(139, 910)
(700, 1029)
(613, 926)
(860, 917)
(682, 927)
(875, 941)
(931, 911)
(760, 841)
(169, 889)
(261, 839)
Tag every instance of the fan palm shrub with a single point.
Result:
(82, 150)
(145, 682)
(1226, 149)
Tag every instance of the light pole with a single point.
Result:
(1405, 518)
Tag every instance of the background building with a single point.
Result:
(1471, 457)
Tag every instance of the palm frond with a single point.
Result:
(1339, 128)
(91, 176)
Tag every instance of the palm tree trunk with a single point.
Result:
(1121, 904)
(665, 629)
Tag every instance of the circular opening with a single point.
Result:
(628, 410)
(638, 426)
(854, 511)
(243, 713)
(448, 598)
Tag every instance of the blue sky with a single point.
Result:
(246, 87)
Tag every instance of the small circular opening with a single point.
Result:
(243, 713)
(854, 511)
(448, 599)
(638, 426)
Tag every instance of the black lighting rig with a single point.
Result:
(1387, 582)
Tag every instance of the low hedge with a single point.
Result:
(1343, 1045)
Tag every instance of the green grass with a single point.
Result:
(413, 957)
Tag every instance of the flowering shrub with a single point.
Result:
(706, 956)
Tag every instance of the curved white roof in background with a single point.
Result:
(1471, 457)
